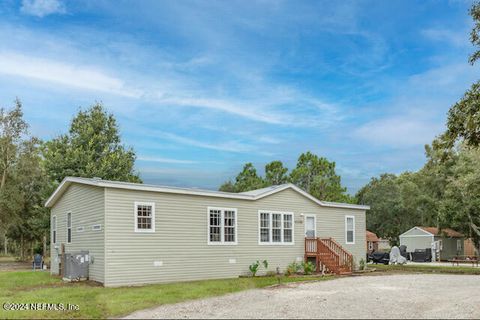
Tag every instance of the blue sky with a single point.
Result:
(201, 87)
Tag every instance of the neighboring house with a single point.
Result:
(372, 241)
(445, 243)
(139, 233)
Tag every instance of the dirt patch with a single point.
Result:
(14, 266)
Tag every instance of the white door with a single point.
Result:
(310, 226)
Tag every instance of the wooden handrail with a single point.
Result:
(329, 253)
(345, 257)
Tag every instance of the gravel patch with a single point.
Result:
(390, 296)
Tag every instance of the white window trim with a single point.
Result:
(54, 218)
(71, 224)
(271, 243)
(97, 227)
(314, 216)
(135, 216)
(346, 230)
(222, 227)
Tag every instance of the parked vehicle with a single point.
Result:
(379, 257)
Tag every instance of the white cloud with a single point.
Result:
(231, 146)
(229, 107)
(457, 38)
(41, 8)
(399, 131)
(82, 77)
(266, 105)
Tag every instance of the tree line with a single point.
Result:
(31, 169)
(314, 174)
(446, 191)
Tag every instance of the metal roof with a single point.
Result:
(250, 195)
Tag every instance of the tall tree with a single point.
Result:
(464, 117)
(317, 176)
(460, 205)
(22, 190)
(92, 148)
(248, 179)
(475, 33)
(275, 173)
(12, 128)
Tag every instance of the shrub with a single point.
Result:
(308, 267)
(265, 264)
(362, 264)
(254, 268)
(293, 268)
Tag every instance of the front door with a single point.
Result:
(310, 226)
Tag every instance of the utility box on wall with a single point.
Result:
(76, 266)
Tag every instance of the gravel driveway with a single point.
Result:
(389, 296)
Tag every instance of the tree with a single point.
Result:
(22, 190)
(464, 116)
(475, 33)
(31, 223)
(275, 173)
(383, 196)
(313, 174)
(12, 127)
(460, 206)
(227, 186)
(92, 148)
(317, 176)
(248, 179)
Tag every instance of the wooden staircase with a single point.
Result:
(329, 254)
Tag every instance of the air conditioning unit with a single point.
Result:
(76, 266)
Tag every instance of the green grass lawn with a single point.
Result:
(95, 301)
(426, 269)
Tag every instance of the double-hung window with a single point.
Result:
(275, 227)
(350, 229)
(144, 217)
(54, 229)
(69, 227)
(222, 226)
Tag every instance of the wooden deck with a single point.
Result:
(328, 254)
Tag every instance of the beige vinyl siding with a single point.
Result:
(180, 239)
(86, 203)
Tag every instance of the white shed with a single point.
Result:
(416, 238)
(445, 243)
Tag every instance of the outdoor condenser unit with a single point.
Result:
(76, 266)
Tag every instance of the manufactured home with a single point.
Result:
(445, 244)
(138, 233)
